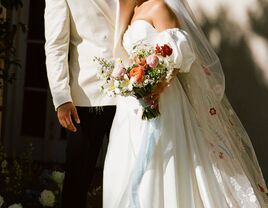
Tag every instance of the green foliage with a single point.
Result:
(22, 180)
(11, 4)
(8, 31)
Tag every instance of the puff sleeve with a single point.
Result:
(182, 54)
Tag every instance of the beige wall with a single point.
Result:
(238, 31)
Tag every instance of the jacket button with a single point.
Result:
(105, 37)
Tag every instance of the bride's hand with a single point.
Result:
(154, 96)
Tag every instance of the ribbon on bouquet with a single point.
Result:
(150, 139)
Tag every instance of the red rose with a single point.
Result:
(166, 50)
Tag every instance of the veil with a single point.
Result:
(204, 86)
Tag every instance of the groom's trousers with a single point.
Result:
(82, 152)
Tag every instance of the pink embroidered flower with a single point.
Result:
(231, 122)
(206, 70)
(261, 188)
(212, 111)
(152, 61)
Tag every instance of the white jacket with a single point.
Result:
(83, 29)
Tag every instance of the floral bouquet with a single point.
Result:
(149, 66)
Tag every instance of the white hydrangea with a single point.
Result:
(58, 177)
(1, 201)
(47, 198)
(15, 206)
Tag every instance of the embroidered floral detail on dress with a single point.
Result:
(262, 188)
(221, 155)
(206, 70)
(212, 111)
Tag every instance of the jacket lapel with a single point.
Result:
(106, 9)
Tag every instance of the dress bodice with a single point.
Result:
(139, 31)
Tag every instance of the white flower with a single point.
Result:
(4, 164)
(47, 198)
(126, 77)
(130, 87)
(116, 83)
(58, 177)
(117, 91)
(15, 206)
(110, 93)
(132, 80)
(1, 201)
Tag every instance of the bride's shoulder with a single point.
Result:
(162, 16)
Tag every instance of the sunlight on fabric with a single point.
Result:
(206, 198)
(237, 12)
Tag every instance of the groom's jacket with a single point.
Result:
(76, 31)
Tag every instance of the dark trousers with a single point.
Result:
(82, 152)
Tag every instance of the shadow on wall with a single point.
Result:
(245, 80)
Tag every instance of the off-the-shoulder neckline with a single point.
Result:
(149, 24)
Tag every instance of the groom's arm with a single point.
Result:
(57, 34)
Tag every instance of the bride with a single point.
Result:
(196, 154)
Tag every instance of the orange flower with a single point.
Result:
(140, 61)
(138, 73)
(157, 49)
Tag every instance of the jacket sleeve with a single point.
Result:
(57, 35)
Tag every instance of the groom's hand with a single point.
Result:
(65, 113)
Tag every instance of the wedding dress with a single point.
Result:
(173, 161)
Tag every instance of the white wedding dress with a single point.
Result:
(171, 162)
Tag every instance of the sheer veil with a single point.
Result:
(204, 87)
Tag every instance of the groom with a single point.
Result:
(76, 32)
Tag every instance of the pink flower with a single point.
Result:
(119, 70)
(152, 61)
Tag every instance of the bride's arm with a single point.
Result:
(165, 19)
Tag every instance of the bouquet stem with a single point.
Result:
(148, 112)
